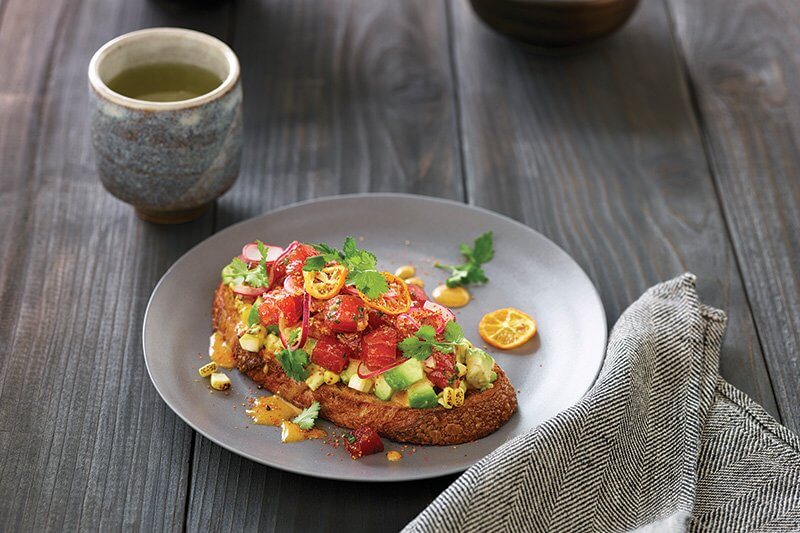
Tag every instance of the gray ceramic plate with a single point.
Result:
(550, 373)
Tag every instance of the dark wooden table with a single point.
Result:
(673, 146)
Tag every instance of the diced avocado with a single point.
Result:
(360, 384)
(316, 376)
(479, 369)
(382, 389)
(350, 371)
(422, 396)
(250, 342)
(400, 377)
(461, 350)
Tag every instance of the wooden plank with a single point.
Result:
(87, 442)
(600, 152)
(744, 63)
(340, 96)
(343, 96)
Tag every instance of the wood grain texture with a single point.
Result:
(600, 152)
(87, 443)
(340, 97)
(343, 96)
(745, 72)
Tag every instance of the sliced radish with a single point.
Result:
(250, 292)
(251, 254)
(291, 286)
(446, 314)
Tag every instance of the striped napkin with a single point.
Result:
(660, 443)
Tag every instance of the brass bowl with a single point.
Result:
(554, 24)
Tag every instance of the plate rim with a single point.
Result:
(414, 475)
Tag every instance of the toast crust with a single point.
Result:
(481, 414)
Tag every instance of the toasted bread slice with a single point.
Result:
(481, 414)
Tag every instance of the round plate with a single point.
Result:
(550, 373)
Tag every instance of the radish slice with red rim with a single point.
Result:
(251, 292)
(291, 286)
(252, 255)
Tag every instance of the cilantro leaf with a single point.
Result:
(453, 332)
(361, 265)
(422, 344)
(426, 332)
(262, 249)
(370, 282)
(294, 363)
(307, 417)
(415, 348)
(350, 247)
(234, 272)
(238, 273)
(314, 263)
(326, 250)
(482, 251)
(252, 316)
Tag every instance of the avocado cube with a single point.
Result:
(422, 396)
(382, 389)
(400, 377)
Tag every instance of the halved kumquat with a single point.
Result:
(326, 283)
(507, 328)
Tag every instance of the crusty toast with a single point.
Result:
(482, 413)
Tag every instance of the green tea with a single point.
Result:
(164, 82)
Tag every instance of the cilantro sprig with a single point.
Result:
(294, 362)
(307, 417)
(482, 252)
(238, 273)
(422, 344)
(361, 266)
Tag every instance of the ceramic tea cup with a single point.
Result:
(169, 159)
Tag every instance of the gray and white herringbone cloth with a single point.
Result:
(660, 443)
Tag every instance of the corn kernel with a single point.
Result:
(458, 397)
(258, 330)
(272, 344)
(446, 398)
(416, 281)
(394, 456)
(315, 380)
(208, 369)
(330, 377)
(220, 381)
(405, 271)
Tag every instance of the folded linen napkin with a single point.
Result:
(660, 443)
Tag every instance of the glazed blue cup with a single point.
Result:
(169, 160)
